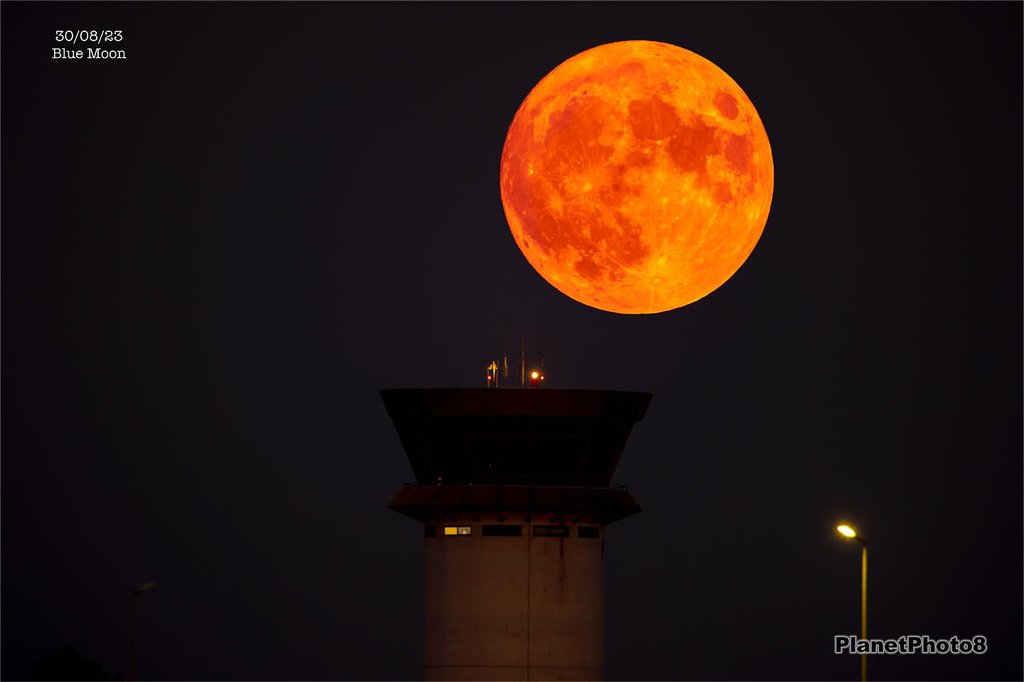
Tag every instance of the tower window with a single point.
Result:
(592, 532)
(458, 530)
(503, 531)
(551, 531)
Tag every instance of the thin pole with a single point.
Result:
(504, 355)
(864, 609)
(522, 363)
(134, 673)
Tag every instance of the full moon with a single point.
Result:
(636, 177)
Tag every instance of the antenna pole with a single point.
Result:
(522, 364)
(504, 355)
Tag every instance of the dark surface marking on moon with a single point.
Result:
(726, 104)
(691, 146)
(738, 152)
(652, 119)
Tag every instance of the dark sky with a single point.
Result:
(216, 252)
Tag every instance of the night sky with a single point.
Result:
(216, 252)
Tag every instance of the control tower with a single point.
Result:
(513, 487)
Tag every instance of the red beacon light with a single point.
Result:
(535, 379)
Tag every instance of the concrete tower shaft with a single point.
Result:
(513, 488)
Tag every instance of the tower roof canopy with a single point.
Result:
(514, 436)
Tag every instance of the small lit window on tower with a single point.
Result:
(551, 531)
(503, 531)
(458, 530)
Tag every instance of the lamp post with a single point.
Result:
(144, 587)
(848, 532)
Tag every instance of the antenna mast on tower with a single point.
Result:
(522, 363)
(504, 355)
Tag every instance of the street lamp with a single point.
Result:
(848, 532)
(144, 587)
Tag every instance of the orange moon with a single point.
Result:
(636, 177)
